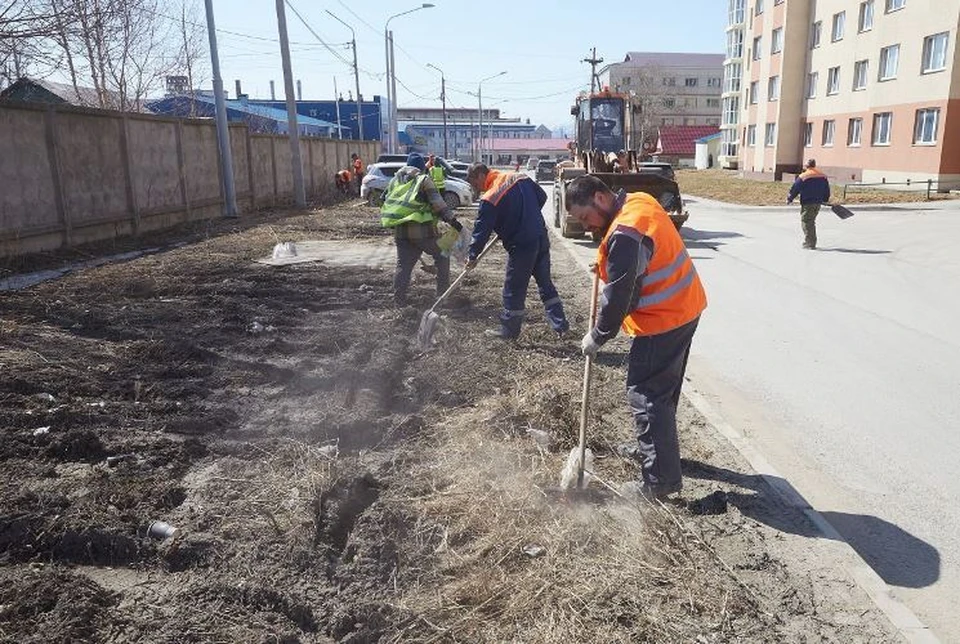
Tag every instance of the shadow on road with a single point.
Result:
(857, 251)
(897, 556)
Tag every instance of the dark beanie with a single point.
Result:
(416, 160)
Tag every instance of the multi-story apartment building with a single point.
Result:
(732, 76)
(688, 85)
(870, 88)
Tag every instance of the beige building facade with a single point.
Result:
(870, 88)
(688, 86)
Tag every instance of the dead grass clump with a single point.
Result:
(515, 563)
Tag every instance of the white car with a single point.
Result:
(456, 193)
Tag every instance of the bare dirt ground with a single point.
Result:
(727, 186)
(331, 484)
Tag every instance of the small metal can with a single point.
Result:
(161, 530)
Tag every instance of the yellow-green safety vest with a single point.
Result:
(436, 173)
(404, 205)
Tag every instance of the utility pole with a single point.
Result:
(594, 61)
(394, 136)
(356, 73)
(223, 131)
(443, 97)
(299, 195)
(336, 97)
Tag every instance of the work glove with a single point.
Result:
(589, 346)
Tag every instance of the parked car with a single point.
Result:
(456, 192)
(532, 163)
(546, 170)
(448, 167)
(460, 166)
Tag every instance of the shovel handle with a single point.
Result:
(587, 379)
(449, 290)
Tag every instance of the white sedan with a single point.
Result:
(456, 193)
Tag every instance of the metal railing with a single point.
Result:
(926, 187)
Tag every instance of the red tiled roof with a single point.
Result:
(510, 145)
(681, 140)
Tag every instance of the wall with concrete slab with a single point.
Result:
(71, 175)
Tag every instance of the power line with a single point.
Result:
(346, 62)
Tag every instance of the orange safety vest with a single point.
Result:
(498, 183)
(671, 293)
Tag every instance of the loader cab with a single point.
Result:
(600, 124)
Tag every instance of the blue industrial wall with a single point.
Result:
(327, 111)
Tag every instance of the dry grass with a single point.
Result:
(726, 185)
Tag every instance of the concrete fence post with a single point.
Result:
(313, 182)
(53, 154)
(250, 173)
(273, 162)
(844, 192)
(132, 206)
(182, 167)
(929, 187)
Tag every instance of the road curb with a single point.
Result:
(903, 619)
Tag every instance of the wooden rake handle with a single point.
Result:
(456, 282)
(587, 380)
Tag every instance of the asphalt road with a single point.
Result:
(842, 367)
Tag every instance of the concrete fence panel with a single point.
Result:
(201, 165)
(154, 165)
(284, 168)
(28, 200)
(263, 175)
(92, 172)
(241, 171)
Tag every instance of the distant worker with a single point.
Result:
(814, 190)
(411, 206)
(358, 169)
(653, 292)
(510, 205)
(342, 180)
(436, 173)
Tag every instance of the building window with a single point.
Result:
(776, 41)
(731, 77)
(839, 19)
(770, 135)
(815, 34)
(833, 81)
(773, 88)
(751, 135)
(754, 92)
(690, 82)
(934, 53)
(735, 43)
(713, 102)
(882, 126)
(893, 5)
(670, 102)
(812, 79)
(756, 48)
(735, 14)
(829, 129)
(889, 60)
(626, 80)
(669, 82)
(925, 129)
(713, 82)
(758, 8)
(807, 135)
(666, 121)
(860, 74)
(731, 110)
(854, 129)
(865, 22)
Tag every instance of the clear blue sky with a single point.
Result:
(539, 43)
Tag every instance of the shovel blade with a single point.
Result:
(428, 326)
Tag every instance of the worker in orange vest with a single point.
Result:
(342, 180)
(358, 169)
(510, 205)
(652, 291)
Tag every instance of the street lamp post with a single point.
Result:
(392, 76)
(443, 97)
(480, 109)
(356, 73)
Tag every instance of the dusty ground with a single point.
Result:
(725, 185)
(330, 483)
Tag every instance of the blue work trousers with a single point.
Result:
(523, 262)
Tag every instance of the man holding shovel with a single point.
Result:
(510, 205)
(411, 206)
(653, 292)
(813, 188)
